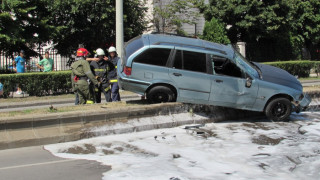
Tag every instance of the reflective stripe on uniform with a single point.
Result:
(107, 89)
(96, 89)
(113, 80)
(90, 102)
(99, 70)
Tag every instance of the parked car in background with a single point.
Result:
(169, 68)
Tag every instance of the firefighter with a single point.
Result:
(113, 58)
(81, 72)
(100, 69)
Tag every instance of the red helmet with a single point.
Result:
(82, 52)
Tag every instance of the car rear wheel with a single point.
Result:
(279, 109)
(160, 94)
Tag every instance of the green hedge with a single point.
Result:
(297, 68)
(39, 83)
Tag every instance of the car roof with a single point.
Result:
(164, 39)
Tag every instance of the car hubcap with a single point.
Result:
(161, 97)
(279, 110)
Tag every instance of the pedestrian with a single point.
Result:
(1, 89)
(81, 72)
(20, 67)
(46, 64)
(113, 58)
(100, 69)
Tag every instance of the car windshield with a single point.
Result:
(244, 63)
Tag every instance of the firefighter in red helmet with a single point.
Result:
(81, 72)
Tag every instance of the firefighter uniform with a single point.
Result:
(115, 95)
(100, 70)
(81, 72)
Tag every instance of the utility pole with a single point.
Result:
(119, 26)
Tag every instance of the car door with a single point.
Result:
(229, 84)
(189, 73)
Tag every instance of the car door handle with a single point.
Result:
(218, 81)
(177, 74)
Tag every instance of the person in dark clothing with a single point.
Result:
(112, 75)
(100, 69)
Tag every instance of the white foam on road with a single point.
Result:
(228, 150)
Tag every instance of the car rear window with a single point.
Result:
(133, 45)
(154, 56)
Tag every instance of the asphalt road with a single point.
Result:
(35, 163)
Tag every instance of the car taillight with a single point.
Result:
(127, 70)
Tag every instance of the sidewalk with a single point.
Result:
(53, 101)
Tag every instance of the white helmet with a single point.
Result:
(100, 52)
(112, 49)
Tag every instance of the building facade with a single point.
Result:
(191, 29)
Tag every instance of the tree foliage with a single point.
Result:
(27, 23)
(23, 24)
(92, 23)
(170, 15)
(215, 31)
(288, 23)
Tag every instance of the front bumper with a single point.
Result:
(303, 104)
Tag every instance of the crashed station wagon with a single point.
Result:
(169, 68)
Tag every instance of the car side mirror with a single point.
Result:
(248, 82)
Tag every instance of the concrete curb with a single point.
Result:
(73, 126)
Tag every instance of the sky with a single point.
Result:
(227, 150)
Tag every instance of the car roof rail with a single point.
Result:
(172, 34)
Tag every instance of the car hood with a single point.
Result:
(279, 76)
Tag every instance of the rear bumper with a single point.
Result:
(133, 85)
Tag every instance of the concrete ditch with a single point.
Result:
(64, 127)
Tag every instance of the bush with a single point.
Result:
(296, 68)
(215, 31)
(317, 68)
(39, 83)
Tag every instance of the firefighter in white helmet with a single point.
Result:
(113, 58)
(101, 69)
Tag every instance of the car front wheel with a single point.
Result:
(160, 94)
(279, 109)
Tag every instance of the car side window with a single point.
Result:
(192, 61)
(154, 56)
(224, 66)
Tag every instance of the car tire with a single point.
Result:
(160, 94)
(279, 109)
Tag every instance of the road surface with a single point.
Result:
(36, 163)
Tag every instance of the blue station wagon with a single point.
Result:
(169, 68)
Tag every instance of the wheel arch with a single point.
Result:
(290, 98)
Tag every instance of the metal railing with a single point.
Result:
(60, 62)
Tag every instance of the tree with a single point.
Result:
(26, 24)
(287, 25)
(170, 15)
(23, 24)
(92, 23)
(215, 31)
